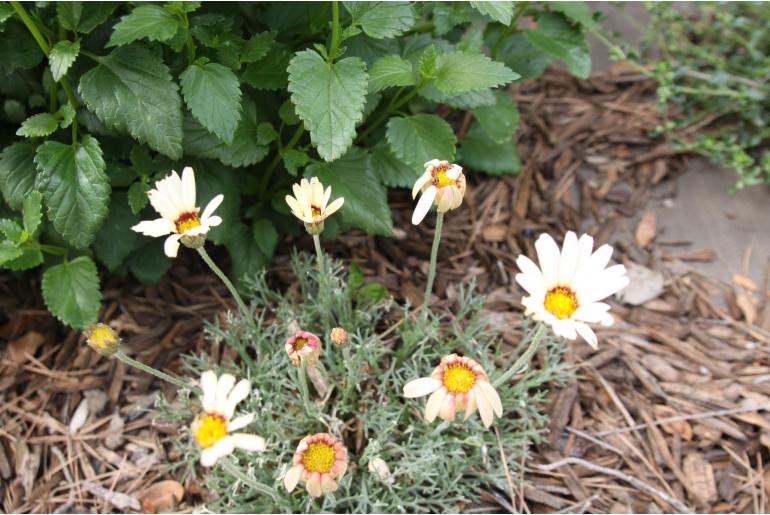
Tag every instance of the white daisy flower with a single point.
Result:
(174, 198)
(213, 429)
(564, 292)
(443, 183)
(310, 204)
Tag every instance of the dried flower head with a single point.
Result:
(102, 339)
(443, 184)
(339, 337)
(320, 459)
(303, 346)
(310, 204)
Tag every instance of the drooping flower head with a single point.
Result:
(303, 346)
(310, 204)
(174, 198)
(320, 459)
(457, 384)
(102, 339)
(564, 292)
(443, 183)
(213, 428)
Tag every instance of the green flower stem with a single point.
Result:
(323, 291)
(520, 363)
(157, 373)
(219, 273)
(234, 470)
(433, 256)
(335, 42)
(303, 387)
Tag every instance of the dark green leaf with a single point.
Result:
(257, 47)
(370, 49)
(501, 120)
(12, 230)
(555, 36)
(71, 292)
(115, 240)
(576, 11)
(29, 258)
(66, 115)
(83, 17)
(149, 263)
(8, 252)
(17, 172)
(355, 276)
(18, 49)
(389, 71)
(382, 20)
(499, 11)
(38, 125)
(269, 72)
(478, 152)
(213, 95)
(420, 138)
(287, 114)
(32, 211)
(464, 71)
(75, 188)
(245, 254)
(294, 159)
(62, 55)
(145, 21)
(522, 56)
(372, 292)
(137, 197)
(265, 236)
(390, 170)
(6, 11)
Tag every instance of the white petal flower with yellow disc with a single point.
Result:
(442, 184)
(310, 204)
(174, 199)
(213, 429)
(565, 290)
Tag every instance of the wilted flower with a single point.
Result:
(457, 384)
(310, 204)
(174, 198)
(443, 184)
(339, 337)
(319, 460)
(564, 292)
(102, 339)
(213, 429)
(303, 346)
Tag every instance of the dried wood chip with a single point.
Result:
(121, 501)
(700, 482)
(162, 497)
(26, 345)
(645, 285)
(645, 230)
(79, 418)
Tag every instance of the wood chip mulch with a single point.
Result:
(670, 414)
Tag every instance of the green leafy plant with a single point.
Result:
(101, 99)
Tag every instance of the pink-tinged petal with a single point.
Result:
(328, 485)
(240, 422)
(419, 183)
(209, 389)
(432, 163)
(313, 486)
(568, 261)
(447, 410)
(212, 206)
(485, 409)
(492, 397)
(470, 409)
(291, 478)
(434, 403)
(171, 245)
(248, 442)
(588, 334)
(334, 206)
(220, 449)
(423, 205)
(342, 469)
(421, 386)
(155, 228)
(548, 255)
(188, 188)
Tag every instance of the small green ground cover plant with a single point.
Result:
(99, 100)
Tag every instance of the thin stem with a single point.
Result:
(52, 249)
(154, 371)
(303, 387)
(31, 26)
(335, 30)
(219, 273)
(433, 256)
(234, 470)
(189, 42)
(520, 363)
(322, 283)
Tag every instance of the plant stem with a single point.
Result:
(433, 256)
(392, 107)
(303, 388)
(335, 31)
(31, 26)
(154, 371)
(189, 42)
(234, 470)
(219, 273)
(323, 296)
(520, 363)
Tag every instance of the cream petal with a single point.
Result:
(444, 200)
(224, 385)
(434, 403)
(565, 328)
(421, 386)
(485, 409)
(163, 205)
(422, 181)
(548, 256)
(343, 469)
(188, 188)
(528, 267)
(568, 261)
(432, 162)
(155, 228)
(220, 449)
(592, 313)
(248, 442)
(454, 172)
(171, 245)
(313, 487)
(492, 396)
(328, 485)
(448, 410)
(588, 334)
(240, 422)
(238, 393)
(533, 285)
(209, 389)
(599, 259)
(200, 230)
(327, 196)
(472, 405)
(423, 205)
(211, 206)
(334, 206)
(171, 188)
(291, 478)
(212, 221)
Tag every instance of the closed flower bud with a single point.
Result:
(379, 468)
(102, 339)
(339, 337)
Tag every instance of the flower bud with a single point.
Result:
(379, 468)
(339, 337)
(102, 339)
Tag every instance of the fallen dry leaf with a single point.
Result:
(645, 285)
(747, 307)
(162, 497)
(700, 475)
(79, 417)
(645, 230)
(680, 427)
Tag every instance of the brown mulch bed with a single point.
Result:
(669, 413)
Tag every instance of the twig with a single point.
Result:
(580, 507)
(504, 460)
(644, 487)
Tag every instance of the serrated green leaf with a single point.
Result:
(182, 7)
(576, 11)
(420, 138)
(501, 120)
(464, 71)
(115, 240)
(71, 292)
(9, 251)
(555, 36)
(389, 71)
(257, 47)
(17, 172)
(294, 159)
(18, 49)
(471, 99)
(32, 212)
(148, 263)
(12, 230)
(131, 89)
(427, 62)
(519, 54)
(75, 187)
(266, 133)
(137, 197)
(38, 125)
(329, 98)
(6, 11)
(66, 115)
(287, 114)
(370, 49)
(501, 12)
(83, 17)
(245, 254)
(213, 95)
(265, 236)
(269, 73)
(478, 152)
(61, 57)
(145, 21)
(381, 20)
(389, 169)
(29, 258)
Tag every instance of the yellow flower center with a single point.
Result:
(187, 221)
(440, 179)
(315, 211)
(102, 336)
(299, 343)
(458, 378)
(209, 429)
(319, 457)
(561, 302)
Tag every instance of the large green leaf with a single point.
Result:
(17, 172)
(75, 188)
(557, 37)
(18, 49)
(366, 199)
(501, 120)
(370, 49)
(213, 95)
(389, 71)
(465, 71)
(519, 54)
(329, 98)
(62, 55)
(115, 240)
(500, 11)
(71, 292)
(131, 89)
(148, 263)
(145, 21)
(389, 169)
(576, 11)
(9, 252)
(83, 17)
(38, 125)
(382, 20)
(420, 138)
(480, 153)
(269, 73)
(245, 253)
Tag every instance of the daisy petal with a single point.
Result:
(209, 388)
(211, 206)
(154, 228)
(291, 478)
(423, 205)
(240, 422)
(220, 449)
(238, 393)
(422, 181)
(224, 385)
(587, 333)
(568, 261)
(248, 442)
(171, 245)
(485, 409)
(492, 396)
(188, 189)
(434, 403)
(548, 255)
(421, 386)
